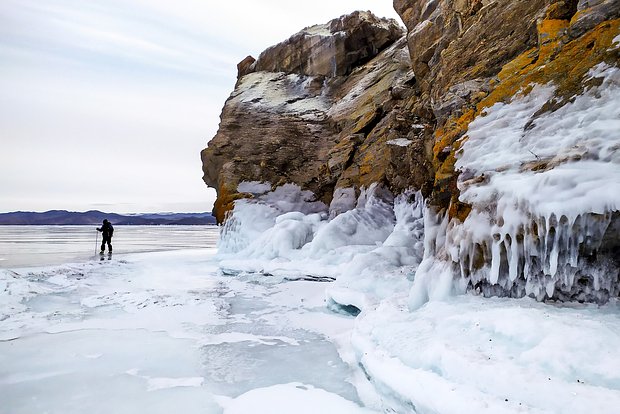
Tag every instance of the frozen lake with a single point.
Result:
(169, 331)
(160, 331)
(51, 245)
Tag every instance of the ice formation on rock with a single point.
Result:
(253, 217)
(543, 190)
(370, 250)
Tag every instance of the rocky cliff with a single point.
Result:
(495, 110)
(318, 110)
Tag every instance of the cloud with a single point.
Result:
(141, 82)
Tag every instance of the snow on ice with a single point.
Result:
(495, 355)
(165, 332)
(290, 398)
(543, 190)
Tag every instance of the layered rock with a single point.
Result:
(504, 54)
(318, 110)
(519, 223)
(342, 106)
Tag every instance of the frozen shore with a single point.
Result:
(420, 343)
(169, 331)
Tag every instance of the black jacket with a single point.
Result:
(107, 229)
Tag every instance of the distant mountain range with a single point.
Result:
(94, 217)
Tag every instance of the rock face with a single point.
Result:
(318, 110)
(333, 49)
(357, 101)
(472, 54)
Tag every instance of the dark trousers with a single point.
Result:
(108, 240)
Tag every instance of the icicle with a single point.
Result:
(495, 259)
(527, 252)
(553, 257)
(550, 288)
(542, 240)
(513, 267)
(575, 239)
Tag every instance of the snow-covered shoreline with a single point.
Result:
(169, 329)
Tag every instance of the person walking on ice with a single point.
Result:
(107, 230)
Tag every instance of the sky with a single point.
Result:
(106, 104)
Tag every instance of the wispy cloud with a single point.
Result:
(110, 101)
(104, 36)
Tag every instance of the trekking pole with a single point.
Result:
(96, 240)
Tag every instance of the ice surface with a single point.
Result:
(22, 246)
(472, 355)
(161, 332)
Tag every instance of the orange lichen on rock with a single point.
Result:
(373, 164)
(225, 202)
(565, 68)
(557, 60)
(550, 34)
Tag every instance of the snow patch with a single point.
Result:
(318, 30)
(290, 398)
(161, 383)
(281, 93)
(234, 337)
(254, 187)
(401, 142)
